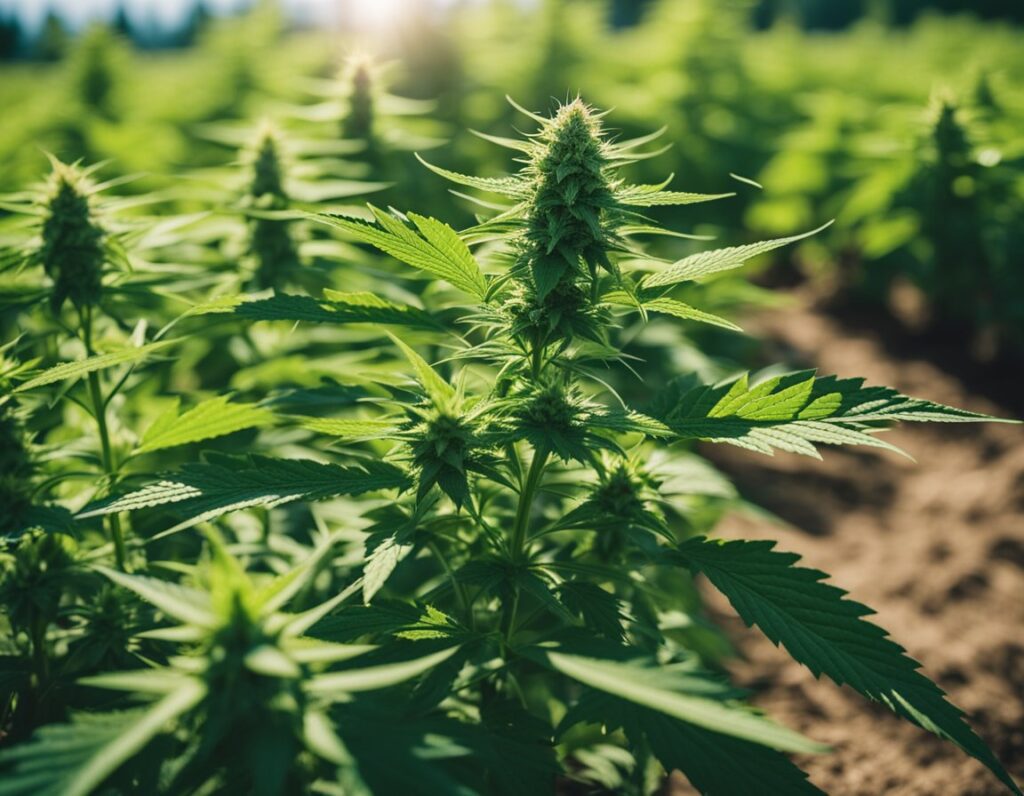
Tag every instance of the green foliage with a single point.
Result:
(407, 527)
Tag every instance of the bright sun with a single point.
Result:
(374, 14)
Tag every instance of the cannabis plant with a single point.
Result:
(523, 542)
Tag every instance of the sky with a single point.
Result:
(170, 13)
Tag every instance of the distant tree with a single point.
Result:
(52, 43)
(10, 37)
(122, 24)
(94, 68)
(196, 22)
(625, 13)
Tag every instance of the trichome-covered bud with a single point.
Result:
(621, 492)
(552, 417)
(622, 502)
(567, 234)
(270, 241)
(564, 313)
(444, 447)
(72, 251)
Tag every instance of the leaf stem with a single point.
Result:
(99, 408)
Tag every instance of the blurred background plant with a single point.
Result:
(897, 118)
(204, 136)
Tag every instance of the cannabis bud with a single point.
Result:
(566, 228)
(15, 471)
(270, 239)
(443, 452)
(72, 250)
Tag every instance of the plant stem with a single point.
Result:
(524, 509)
(99, 409)
(460, 592)
(517, 546)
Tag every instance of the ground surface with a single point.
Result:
(936, 547)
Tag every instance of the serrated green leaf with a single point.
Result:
(82, 367)
(827, 633)
(348, 428)
(439, 252)
(381, 562)
(679, 309)
(206, 491)
(513, 187)
(635, 196)
(717, 260)
(336, 307)
(797, 411)
(207, 420)
(440, 391)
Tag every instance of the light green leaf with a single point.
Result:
(336, 307)
(381, 562)
(716, 260)
(348, 428)
(213, 418)
(82, 367)
(635, 196)
(512, 186)
(670, 306)
(797, 411)
(187, 605)
(439, 252)
(440, 391)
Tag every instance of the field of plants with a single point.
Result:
(376, 416)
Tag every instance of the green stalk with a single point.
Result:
(517, 546)
(524, 509)
(99, 409)
(460, 592)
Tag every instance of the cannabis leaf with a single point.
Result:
(685, 696)
(828, 634)
(715, 763)
(668, 306)
(794, 411)
(437, 249)
(213, 418)
(336, 307)
(712, 262)
(82, 367)
(208, 490)
(89, 749)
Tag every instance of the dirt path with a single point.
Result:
(936, 547)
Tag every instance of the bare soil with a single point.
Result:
(936, 547)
